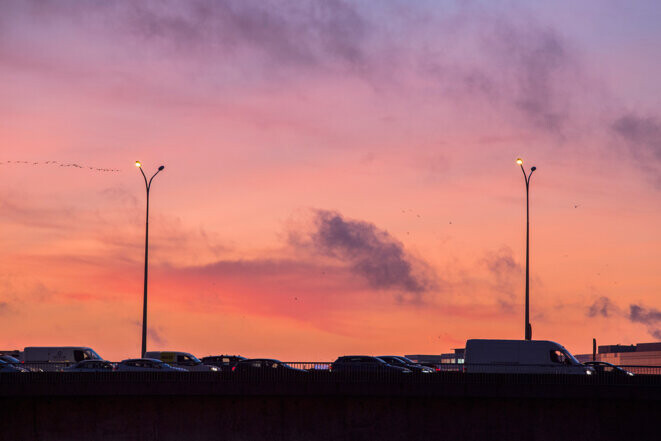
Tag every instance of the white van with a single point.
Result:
(58, 354)
(521, 357)
(181, 359)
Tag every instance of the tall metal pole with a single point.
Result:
(528, 326)
(526, 177)
(144, 304)
(144, 300)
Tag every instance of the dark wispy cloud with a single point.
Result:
(154, 334)
(641, 314)
(17, 211)
(264, 268)
(284, 32)
(602, 307)
(504, 276)
(519, 66)
(637, 313)
(156, 337)
(649, 316)
(642, 136)
(642, 133)
(511, 62)
(501, 264)
(538, 62)
(290, 32)
(326, 257)
(369, 252)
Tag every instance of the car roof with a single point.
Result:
(356, 356)
(229, 356)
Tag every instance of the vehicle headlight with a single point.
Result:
(214, 369)
(630, 374)
(588, 372)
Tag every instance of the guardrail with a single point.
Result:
(444, 368)
(642, 370)
(89, 383)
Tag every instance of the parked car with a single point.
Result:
(364, 364)
(183, 360)
(224, 362)
(91, 366)
(9, 359)
(404, 362)
(10, 368)
(59, 354)
(603, 368)
(13, 361)
(146, 365)
(264, 366)
(55, 358)
(521, 357)
(433, 366)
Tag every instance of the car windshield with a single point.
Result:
(92, 355)
(407, 360)
(569, 356)
(188, 359)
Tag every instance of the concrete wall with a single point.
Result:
(467, 408)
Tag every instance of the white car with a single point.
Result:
(521, 357)
(146, 365)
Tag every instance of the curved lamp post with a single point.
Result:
(528, 331)
(144, 305)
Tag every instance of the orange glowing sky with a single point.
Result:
(339, 175)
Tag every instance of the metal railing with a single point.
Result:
(444, 368)
(310, 365)
(642, 370)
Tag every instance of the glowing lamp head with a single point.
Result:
(519, 161)
(138, 164)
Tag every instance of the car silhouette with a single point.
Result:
(146, 365)
(603, 368)
(91, 366)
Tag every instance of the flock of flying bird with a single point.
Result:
(101, 169)
(62, 164)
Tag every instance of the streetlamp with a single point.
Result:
(144, 305)
(528, 331)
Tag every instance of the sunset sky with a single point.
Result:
(339, 178)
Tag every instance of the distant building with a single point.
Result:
(641, 354)
(456, 357)
(421, 358)
(11, 352)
